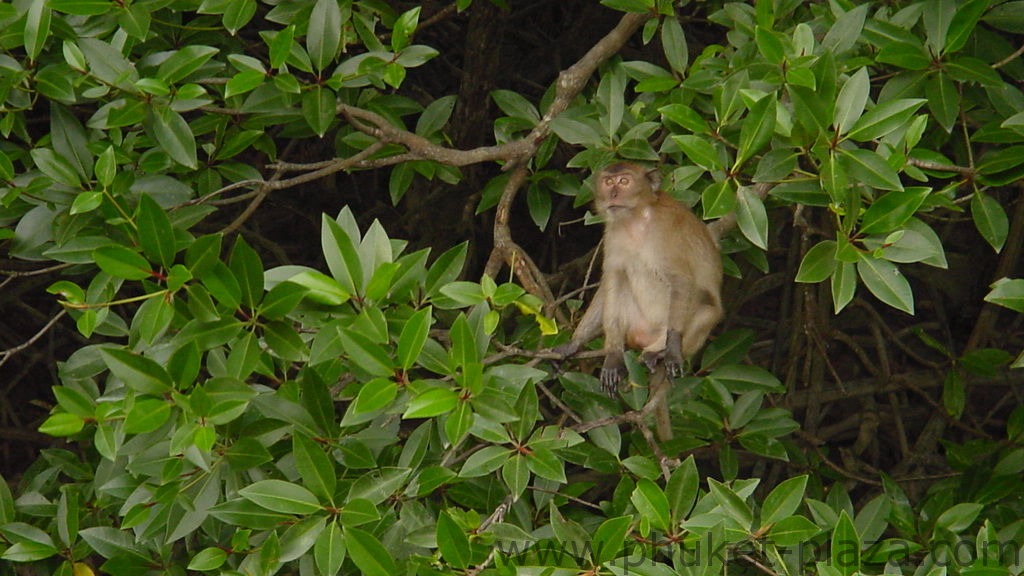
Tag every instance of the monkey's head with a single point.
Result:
(622, 187)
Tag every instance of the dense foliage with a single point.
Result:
(383, 409)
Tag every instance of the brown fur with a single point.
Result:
(661, 282)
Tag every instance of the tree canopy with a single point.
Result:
(279, 278)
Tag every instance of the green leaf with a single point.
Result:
(28, 551)
(943, 99)
(732, 503)
(281, 46)
(464, 350)
(516, 475)
(62, 424)
(757, 129)
(793, 531)
(208, 559)
(576, 132)
(156, 235)
(515, 105)
(342, 255)
(368, 554)
(699, 150)
(673, 42)
(485, 461)
(719, 199)
(284, 341)
(281, 496)
(544, 463)
(990, 219)
(435, 116)
(358, 511)
(963, 23)
(173, 134)
(324, 35)
(314, 466)
(818, 263)
(247, 514)
(247, 268)
(244, 81)
(967, 69)
(770, 45)
(871, 169)
(137, 372)
(937, 17)
(686, 117)
(405, 26)
(147, 415)
(752, 217)
(906, 55)
(329, 550)
(446, 268)
(846, 30)
(237, 14)
(851, 101)
(1007, 293)
(184, 62)
(884, 118)
(884, 280)
(652, 504)
(893, 210)
(452, 542)
(845, 554)
(959, 517)
(413, 337)
(375, 395)
(611, 536)
(55, 166)
(783, 500)
(844, 285)
(366, 354)
(70, 140)
(81, 7)
(433, 402)
(318, 107)
(682, 488)
(37, 28)
(107, 63)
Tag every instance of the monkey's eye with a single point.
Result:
(609, 182)
(624, 181)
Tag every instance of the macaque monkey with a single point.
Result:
(660, 285)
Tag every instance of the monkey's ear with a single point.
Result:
(654, 175)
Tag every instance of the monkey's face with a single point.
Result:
(619, 192)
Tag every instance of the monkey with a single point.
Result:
(661, 281)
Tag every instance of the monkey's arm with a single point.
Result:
(590, 326)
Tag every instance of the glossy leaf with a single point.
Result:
(818, 263)
(281, 496)
(368, 554)
(652, 504)
(884, 280)
(990, 219)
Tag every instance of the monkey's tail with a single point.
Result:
(657, 402)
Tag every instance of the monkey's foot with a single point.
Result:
(610, 378)
(674, 369)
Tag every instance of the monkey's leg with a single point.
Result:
(674, 360)
(704, 318)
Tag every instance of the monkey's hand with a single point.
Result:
(612, 372)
